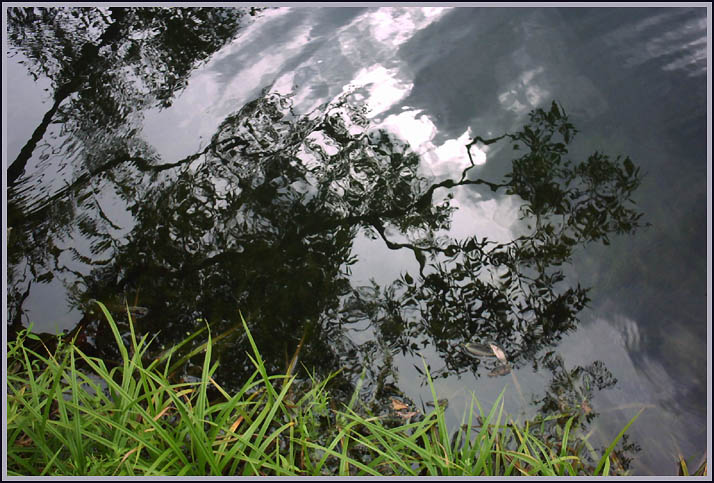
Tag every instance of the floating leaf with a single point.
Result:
(500, 370)
(398, 405)
(478, 350)
(407, 415)
(498, 352)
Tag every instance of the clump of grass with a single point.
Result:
(484, 445)
(131, 420)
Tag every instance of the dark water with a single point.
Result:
(304, 167)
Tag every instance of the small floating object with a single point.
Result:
(498, 352)
(407, 415)
(500, 370)
(398, 405)
(478, 350)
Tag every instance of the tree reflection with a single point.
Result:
(511, 293)
(264, 218)
(565, 415)
(106, 65)
(110, 63)
(264, 222)
(570, 395)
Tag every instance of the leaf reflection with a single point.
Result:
(264, 220)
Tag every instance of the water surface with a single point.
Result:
(274, 166)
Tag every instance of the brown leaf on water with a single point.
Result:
(585, 405)
(407, 415)
(398, 405)
(498, 352)
(500, 371)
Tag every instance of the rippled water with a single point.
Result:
(633, 82)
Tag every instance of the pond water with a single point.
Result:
(309, 168)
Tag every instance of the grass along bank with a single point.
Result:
(132, 420)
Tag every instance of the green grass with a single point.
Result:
(131, 420)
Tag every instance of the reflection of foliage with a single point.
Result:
(511, 292)
(571, 391)
(589, 196)
(570, 394)
(112, 62)
(106, 65)
(145, 49)
(263, 221)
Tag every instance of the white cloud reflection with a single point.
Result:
(384, 87)
(360, 56)
(395, 25)
(523, 94)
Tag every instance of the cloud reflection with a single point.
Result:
(395, 25)
(524, 94)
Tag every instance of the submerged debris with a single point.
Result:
(489, 350)
(500, 370)
(485, 350)
(398, 405)
(498, 352)
(478, 350)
